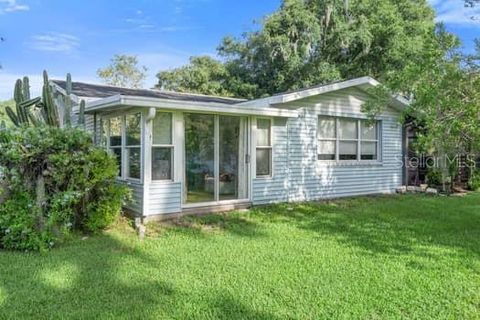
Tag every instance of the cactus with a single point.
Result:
(44, 110)
(81, 115)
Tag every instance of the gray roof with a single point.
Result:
(81, 89)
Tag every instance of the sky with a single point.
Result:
(81, 36)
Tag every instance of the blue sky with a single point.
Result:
(81, 36)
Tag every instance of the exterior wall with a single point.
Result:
(164, 198)
(306, 178)
(275, 188)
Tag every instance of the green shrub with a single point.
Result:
(434, 177)
(474, 181)
(58, 181)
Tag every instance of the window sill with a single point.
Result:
(264, 177)
(347, 163)
(163, 181)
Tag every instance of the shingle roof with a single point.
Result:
(81, 89)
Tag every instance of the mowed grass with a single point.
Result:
(368, 258)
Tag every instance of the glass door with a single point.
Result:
(215, 158)
(199, 158)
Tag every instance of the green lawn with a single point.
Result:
(370, 258)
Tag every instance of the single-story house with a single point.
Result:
(189, 153)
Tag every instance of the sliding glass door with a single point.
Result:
(215, 158)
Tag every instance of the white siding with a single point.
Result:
(164, 198)
(306, 178)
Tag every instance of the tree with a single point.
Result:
(445, 90)
(310, 42)
(123, 71)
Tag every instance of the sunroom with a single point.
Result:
(186, 156)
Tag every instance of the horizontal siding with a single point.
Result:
(164, 198)
(274, 189)
(136, 204)
(299, 176)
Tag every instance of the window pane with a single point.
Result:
(117, 152)
(103, 132)
(369, 130)
(326, 128)
(116, 131)
(347, 129)
(133, 127)
(263, 162)
(369, 151)
(161, 163)
(133, 165)
(326, 150)
(348, 150)
(263, 132)
(162, 128)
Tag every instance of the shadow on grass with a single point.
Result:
(233, 222)
(86, 279)
(389, 224)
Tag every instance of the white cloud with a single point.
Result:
(54, 42)
(7, 6)
(455, 12)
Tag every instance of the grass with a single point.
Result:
(375, 258)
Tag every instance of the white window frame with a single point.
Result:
(358, 140)
(170, 146)
(269, 147)
(122, 146)
(127, 147)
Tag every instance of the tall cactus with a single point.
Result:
(81, 114)
(44, 110)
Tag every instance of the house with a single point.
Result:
(188, 153)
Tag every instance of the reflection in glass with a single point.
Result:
(161, 163)
(133, 129)
(232, 151)
(133, 165)
(199, 158)
(116, 131)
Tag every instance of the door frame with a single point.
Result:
(248, 164)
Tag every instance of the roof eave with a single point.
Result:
(121, 101)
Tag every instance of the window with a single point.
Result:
(115, 140)
(369, 141)
(162, 147)
(327, 138)
(264, 148)
(347, 139)
(122, 136)
(133, 133)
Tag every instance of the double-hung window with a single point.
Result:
(162, 147)
(346, 139)
(115, 140)
(122, 136)
(133, 147)
(264, 148)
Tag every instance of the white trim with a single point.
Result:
(118, 101)
(364, 82)
(358, 140)
(269, 147)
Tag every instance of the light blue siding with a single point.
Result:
(165, 198)
(299, 176)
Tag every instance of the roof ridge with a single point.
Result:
(155, 90)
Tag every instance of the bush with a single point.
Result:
(434, 177)
(58, 181)
(474, 181)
